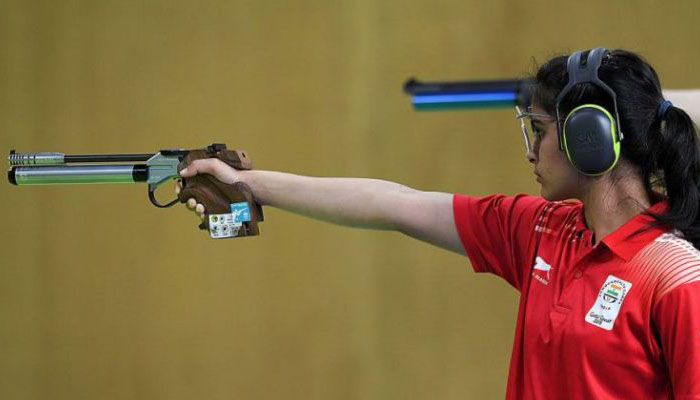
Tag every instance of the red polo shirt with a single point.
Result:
(618, 320)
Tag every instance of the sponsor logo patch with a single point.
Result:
(540, 270)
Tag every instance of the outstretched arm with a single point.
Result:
(355, 202)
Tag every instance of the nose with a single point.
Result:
(531, 156)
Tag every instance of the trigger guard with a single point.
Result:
(152, 198)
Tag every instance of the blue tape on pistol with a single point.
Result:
(241, 212)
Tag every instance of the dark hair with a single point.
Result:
(664, 149)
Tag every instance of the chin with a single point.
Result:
(549, 194)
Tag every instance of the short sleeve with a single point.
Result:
(498, 233)
(677, 317)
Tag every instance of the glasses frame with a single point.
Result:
(521, 115)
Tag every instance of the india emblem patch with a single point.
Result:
(607, 306)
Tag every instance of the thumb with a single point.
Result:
(211, 166)
(203, 166)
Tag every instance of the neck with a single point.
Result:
(607, 205)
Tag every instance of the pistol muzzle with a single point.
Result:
(11, 176)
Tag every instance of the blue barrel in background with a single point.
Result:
(437, 96)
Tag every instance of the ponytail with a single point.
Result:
(677, 158)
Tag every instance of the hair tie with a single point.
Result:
(663, 107)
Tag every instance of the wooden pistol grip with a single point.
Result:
(217, 196)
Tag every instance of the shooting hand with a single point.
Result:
(211, 166)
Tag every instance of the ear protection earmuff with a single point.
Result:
(590, 136)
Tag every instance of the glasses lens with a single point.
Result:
(529, 135)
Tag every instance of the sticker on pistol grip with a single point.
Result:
(241, 212)
(223, 226)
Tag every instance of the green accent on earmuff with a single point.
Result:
(613, 134)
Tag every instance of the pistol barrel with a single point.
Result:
(58, 174)
(19, 159)
(36, 158)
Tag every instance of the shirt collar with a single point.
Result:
(621, 243)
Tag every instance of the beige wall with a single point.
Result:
(104, 296)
